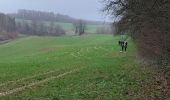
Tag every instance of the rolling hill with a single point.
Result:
(72, 67)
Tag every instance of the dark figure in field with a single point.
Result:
(125, 45)
(119, 43)
(122, 45)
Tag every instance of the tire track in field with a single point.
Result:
(76, 54)
(103, 48)
(95, 47)
(79, 54)
(26, 78)
(72, 54)
(19, 89)
(87, 49)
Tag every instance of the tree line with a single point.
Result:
(7, 27)
(36, 23)
(35, 27)
(148, 23)
(7, 23)
(46, 16)
(41, 16)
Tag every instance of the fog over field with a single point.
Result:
(84, 9)
(85, 49)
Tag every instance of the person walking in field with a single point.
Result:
(121, 43)
(125, 45)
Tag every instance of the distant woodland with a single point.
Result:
(33, 23)
(46, 16)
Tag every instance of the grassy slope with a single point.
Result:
(68, 26)
(106, 74)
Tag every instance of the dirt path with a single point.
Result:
(15, 90)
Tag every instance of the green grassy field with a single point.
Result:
(72, 68)
(68, 27)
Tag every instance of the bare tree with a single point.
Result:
(42, 28)
(75, 26)
(7, 24)
(148, 22)
(34, 26)
(79, 27)
(59, 30)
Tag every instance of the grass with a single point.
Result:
(68, 27)
(104, 73)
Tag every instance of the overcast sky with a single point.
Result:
(85, 9)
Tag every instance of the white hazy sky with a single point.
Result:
(85, 9)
